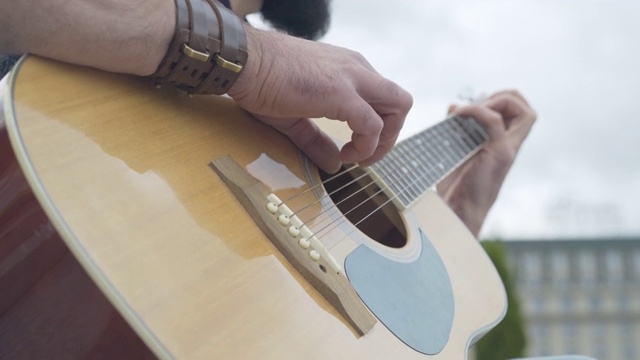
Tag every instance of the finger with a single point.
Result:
(366, 126)
(519, 117)
(306, 135)
(509, 105)
(392, 103)
(452, 109)
(392, 124)
(384, 146)
(511, 92)
(490, 120)
(317, 145)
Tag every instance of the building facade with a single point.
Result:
(579, 296)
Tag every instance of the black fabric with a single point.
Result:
(6, 63)
(309, 19)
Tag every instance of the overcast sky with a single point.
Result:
(578, 62)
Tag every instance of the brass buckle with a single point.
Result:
(231, 66)
(195, 54)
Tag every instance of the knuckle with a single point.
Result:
(513, 92)
(404, 99)
(407, 101)
(494, 119)
(508, 157)
(357, 56)
(372, 121)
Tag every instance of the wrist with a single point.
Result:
(249, 75)
(207, 52)
(470, 214)
(160, 36)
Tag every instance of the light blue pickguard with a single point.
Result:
(413, 300)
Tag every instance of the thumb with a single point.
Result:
(452, 108)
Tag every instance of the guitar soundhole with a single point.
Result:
(365, 206)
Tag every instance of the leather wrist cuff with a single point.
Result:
(208, 50)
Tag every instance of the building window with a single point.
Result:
(588, 268)
(614, 267)
(636, 264)
(560, 268)
(531, 269)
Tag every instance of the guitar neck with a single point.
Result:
(421, 161)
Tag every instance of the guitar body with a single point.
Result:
(121, 170)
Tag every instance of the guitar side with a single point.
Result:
(122, 171)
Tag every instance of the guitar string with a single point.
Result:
(329, 194)
(450, 120)
(345, 171)
(344, 215)
(335, 204)
(454, 166)
(367, 172)
(344, 219)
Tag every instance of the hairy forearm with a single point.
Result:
(474, 189)
(471, 215)
(128, 36)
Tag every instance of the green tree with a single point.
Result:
(507, 340)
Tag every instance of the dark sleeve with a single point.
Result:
(6, 63)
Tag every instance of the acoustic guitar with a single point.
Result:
(140, 222)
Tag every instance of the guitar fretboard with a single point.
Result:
(419, 162)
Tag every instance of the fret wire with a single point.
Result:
(434, 160)
(420, 169)
(464, 137)
(446, 144)
(429, 159)
(408, 175)
(424, 180)
(397, 163)
(425, 162)
(443, 161)
(454, 135)
(392, 179)
(417, 181)
(417, 163)
(476, 135)
(383, 170)
(443, 156)
(461, 123)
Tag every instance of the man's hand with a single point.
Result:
(472, 189)
(288, 80)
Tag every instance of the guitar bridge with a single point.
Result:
(296, 242)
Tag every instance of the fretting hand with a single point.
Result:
(472, 189)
